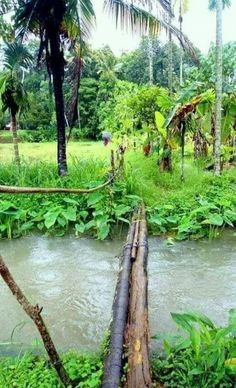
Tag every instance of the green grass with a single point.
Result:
(200, 206)
(31, 152)
(144, 178)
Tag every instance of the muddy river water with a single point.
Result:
(74, 280)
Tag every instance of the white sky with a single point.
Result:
(199, 26)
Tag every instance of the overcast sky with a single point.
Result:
(199, 25)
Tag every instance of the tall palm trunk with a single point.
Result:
(219, 8)
(181, 50)
(57, 67)
(183, 129)
(73, 113)
(15, 139)
(170, 54)
(150, 58)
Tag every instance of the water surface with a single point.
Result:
(74, 280)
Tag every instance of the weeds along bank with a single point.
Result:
(203, 356)
(199, 207)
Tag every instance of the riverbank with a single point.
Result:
(201, 206)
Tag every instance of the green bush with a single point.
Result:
(204, 356)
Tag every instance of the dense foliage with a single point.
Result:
(34, 371)
(203, 357)
(201, 207)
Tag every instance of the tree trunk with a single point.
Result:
(34, 312)
(183, 125)
(200, 145)
(170, 55)
(139, 375)
(219, 8)
(150, 58)
(72, 104)
(166, 163)
(15, 140)
(57, 67)
(181, 49)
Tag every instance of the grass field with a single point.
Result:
(47, 151)
(142, 173)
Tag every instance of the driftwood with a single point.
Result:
(114, 359)
(34, 312)
(139, 375)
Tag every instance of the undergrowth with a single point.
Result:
(204, 356)
(85, 371)
(201, 206)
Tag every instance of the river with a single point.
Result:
(74, 280)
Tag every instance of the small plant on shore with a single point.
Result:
(203, 356)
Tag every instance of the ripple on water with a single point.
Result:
(74, 280)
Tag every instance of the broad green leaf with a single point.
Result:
(70, 200)
(167, 347)
(120, 210)
(103, 231)
(94, 198)
(51, 218)
(196, 341)
(182, 321)
(232, 318)
(80, 228)
(196, 316)
(160, 120)
(214, 219)
(70, 213)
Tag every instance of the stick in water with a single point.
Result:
(34, 312)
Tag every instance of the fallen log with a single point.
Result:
(52, 190)
(139, 375)
(114, 359)
(34, 312)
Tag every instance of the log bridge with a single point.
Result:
(129, 333)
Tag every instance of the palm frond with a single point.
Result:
(131, 17)
(212, 4)
(16, 55)
(79, 18)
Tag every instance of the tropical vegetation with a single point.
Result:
(171, 114)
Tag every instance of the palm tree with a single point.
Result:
(54, 21)
(183, 7)
(170, 53)
(13, 96)
(218, 5)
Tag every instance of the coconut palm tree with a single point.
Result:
(55, 21)
(12, 92)
(183, 7)
(218, 5)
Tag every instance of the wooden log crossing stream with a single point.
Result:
(129, 329)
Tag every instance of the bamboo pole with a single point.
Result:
(34, 312)
(139, 375)
(114, 362)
